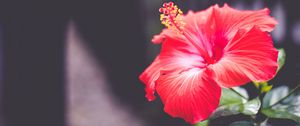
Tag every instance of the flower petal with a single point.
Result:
(149, 76)
(191, 95)
(197, 28)
(175, 54)
(213, 28)
(229, 20)
(250, 55)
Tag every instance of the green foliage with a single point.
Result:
(203, 123)
(235, 101)
(281, 114)
(281, 58)
(274, 96)
(280, 103)
(230, 96)
(251, 107)
(242, 123)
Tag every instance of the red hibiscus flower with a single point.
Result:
(204, 51)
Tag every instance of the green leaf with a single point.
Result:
(227, 110)
(242, 92)
(203, 123)
(231, 102)
(280, 103)
(282, 114)
(275, 95)
(229, 97)
(251, 107)
(281, 58)
(242, 123)
(236, 105)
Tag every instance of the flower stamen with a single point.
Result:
(171, 16)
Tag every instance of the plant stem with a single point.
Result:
(238, 93)
(289, 94)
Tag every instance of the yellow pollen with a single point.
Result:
(171, 16)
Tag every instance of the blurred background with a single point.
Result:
(76, 63)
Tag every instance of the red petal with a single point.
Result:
(249, 56)
(215, 26)
(149, 76)
(171, 33)
(175, 55)
(229, 20)
(197, 28)
(191, 95)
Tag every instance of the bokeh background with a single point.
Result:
(76, 63)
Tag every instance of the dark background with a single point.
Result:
(117, 33)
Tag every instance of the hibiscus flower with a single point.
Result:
(204, 51)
